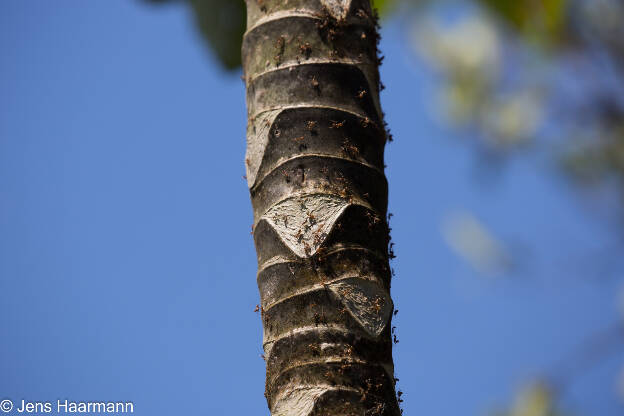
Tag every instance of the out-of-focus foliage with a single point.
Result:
(542, 20)
(470, 239)
(384, 6)
(536, 400)
(469, 52)
(546, 72)
(598, 154)
(547, 75)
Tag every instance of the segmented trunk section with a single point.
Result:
(315, 171)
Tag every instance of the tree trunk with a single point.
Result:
(315, 143)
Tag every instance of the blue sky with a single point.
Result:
(127, 269)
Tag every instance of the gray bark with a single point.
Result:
(315, 143)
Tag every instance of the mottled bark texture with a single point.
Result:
(315, 170)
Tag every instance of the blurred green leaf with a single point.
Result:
(536, 399)
(384, 6)
(543, 21)
(222, 23)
